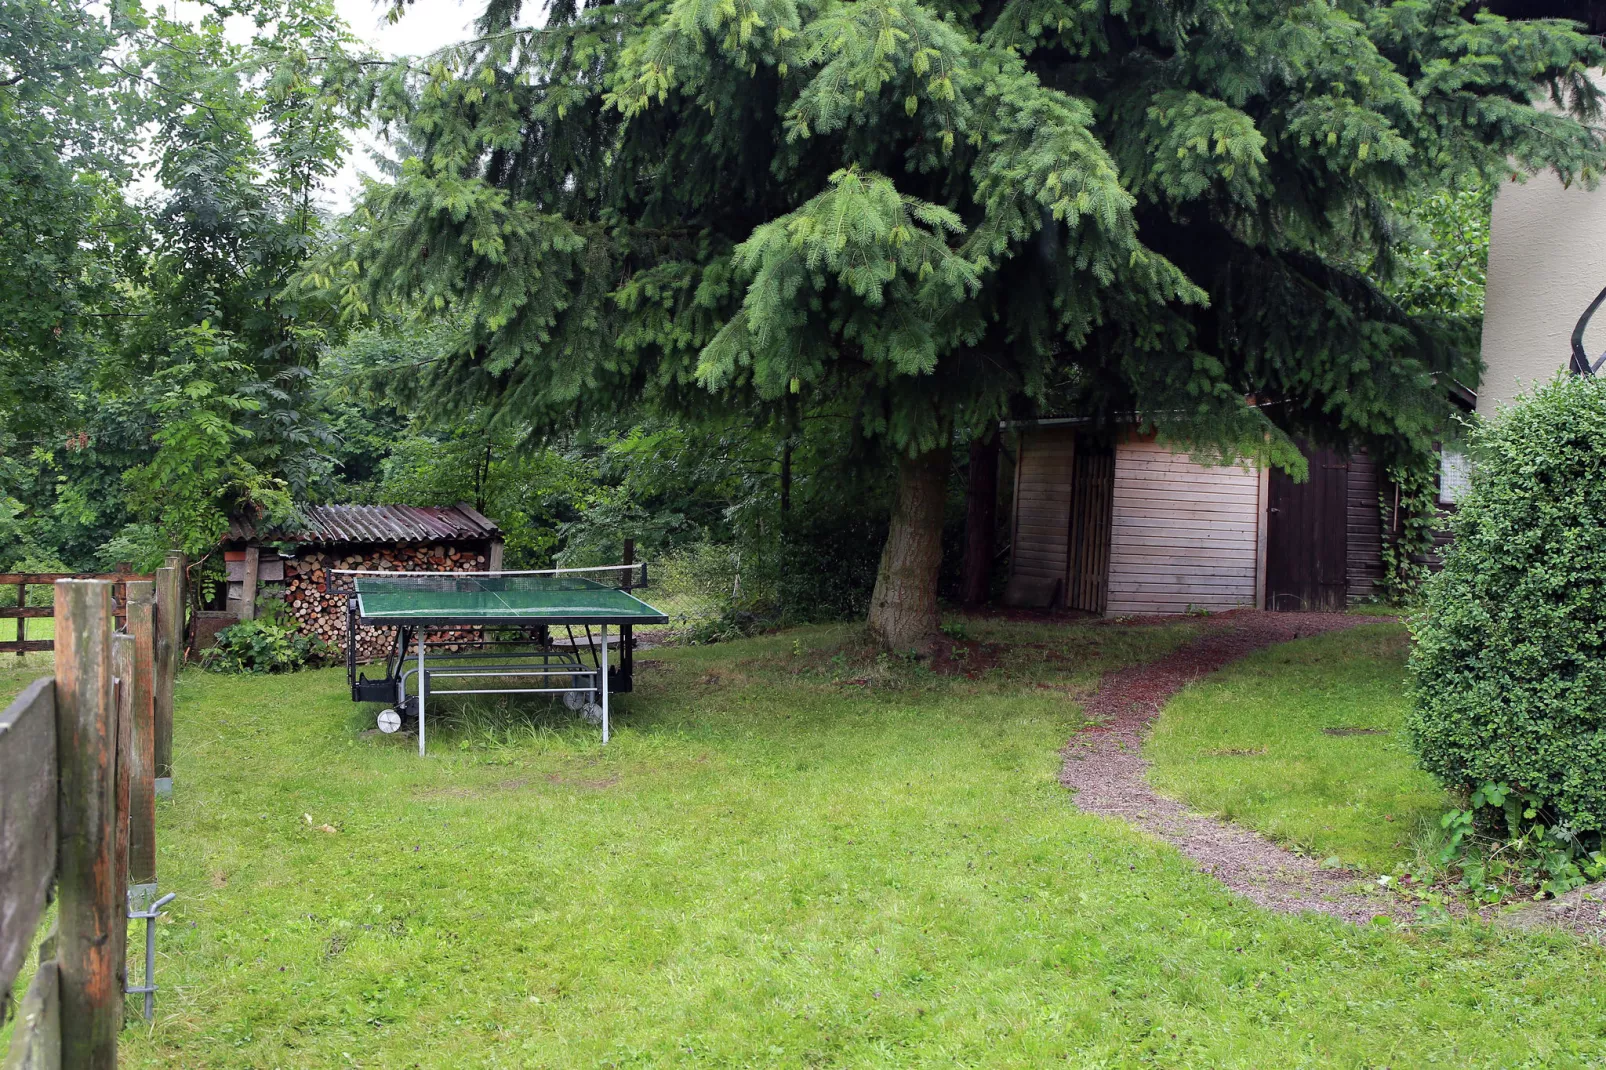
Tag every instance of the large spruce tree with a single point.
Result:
(944, 212)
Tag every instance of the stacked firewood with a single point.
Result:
(319, 612)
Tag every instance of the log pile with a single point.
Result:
(322, 614)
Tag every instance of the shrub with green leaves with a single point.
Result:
(270, 643)
(1509, 666)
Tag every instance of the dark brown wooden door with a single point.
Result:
(1087, 566)
(1307, 536)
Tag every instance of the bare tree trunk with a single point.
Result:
(903, 608)
(981, 520)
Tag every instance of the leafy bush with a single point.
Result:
(1504, 837)
(270, 643)
(1509, 665)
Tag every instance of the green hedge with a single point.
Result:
(1509, 666)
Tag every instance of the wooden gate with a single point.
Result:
(1307, 536)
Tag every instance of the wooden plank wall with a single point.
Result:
(1364, 556)
(1183, 534)
(1043, 481)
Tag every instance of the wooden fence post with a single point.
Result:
(90, 904)
(141, 755)
(169, 656)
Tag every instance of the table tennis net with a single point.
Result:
(622, 577)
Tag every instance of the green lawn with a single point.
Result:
(1304, 741)
(38, 628)
(18, 672)
(783, 859)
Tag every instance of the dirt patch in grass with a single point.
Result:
(963, 657)
(1355, 731)
(859, 664)
(1104, 766)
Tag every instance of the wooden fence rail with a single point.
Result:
(22, 612)
(77, 816)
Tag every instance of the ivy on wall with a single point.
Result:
(1409, 508)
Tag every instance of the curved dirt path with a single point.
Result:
(1104, 766)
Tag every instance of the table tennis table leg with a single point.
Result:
(604, 683)
(423, 689)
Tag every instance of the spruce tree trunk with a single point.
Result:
(981, 520)
(903, 608)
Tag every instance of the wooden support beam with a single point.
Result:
(248, 587)
(89, 902)
(45, 579)
(142, 750)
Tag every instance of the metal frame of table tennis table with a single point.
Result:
(546, 662)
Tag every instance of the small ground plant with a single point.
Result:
(269, 643)
(1506, 838)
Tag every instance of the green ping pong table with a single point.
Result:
(497, 627)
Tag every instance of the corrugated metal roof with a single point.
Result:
(328, 524)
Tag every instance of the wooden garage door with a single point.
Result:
(1183, 535)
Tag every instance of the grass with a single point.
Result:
(17, 673)
(1304, 741)
(38, 628)
(790, 855)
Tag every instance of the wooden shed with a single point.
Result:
(395, 537)
(1125, 526)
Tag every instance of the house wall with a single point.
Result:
(1546, 264)
(1183, 534)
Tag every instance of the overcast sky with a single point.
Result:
(428, 24)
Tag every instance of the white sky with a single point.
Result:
(427, 26)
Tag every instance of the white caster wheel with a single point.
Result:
(591, 712)
(389, 721)
(574, 699)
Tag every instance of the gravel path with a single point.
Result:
(1104, 766)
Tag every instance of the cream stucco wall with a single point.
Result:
(1547, 261)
